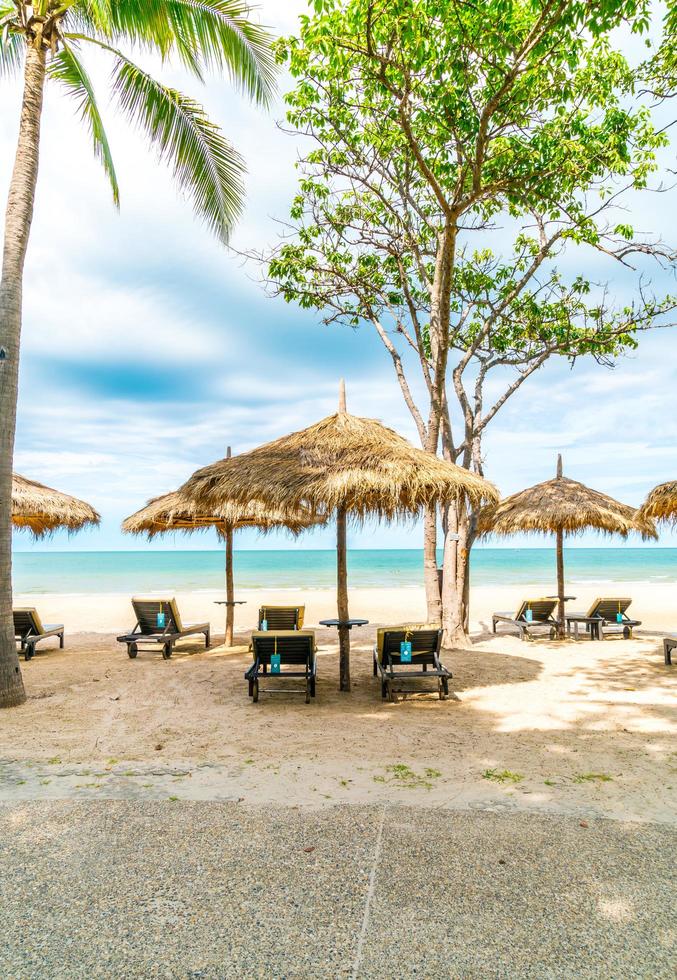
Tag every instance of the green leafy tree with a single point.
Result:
(660, 71)
(47, 40)
(456, 152)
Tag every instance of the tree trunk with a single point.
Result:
(342, 598)
(230, 589)
(455, 590)
(18, 217)
(430, 577)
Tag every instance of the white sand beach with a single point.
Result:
(654, 604)
(583, 728)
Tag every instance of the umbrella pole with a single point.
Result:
(560, 583)
(230, 589)
(342, 598)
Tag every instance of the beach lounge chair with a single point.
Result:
(534, 616)
(281, 617)
(604, 616)
(669, 644)
(29, 631)
(274, 653)
(158, 622)
(395, 663)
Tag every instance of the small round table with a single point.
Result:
(227, 602)
(565, 598)
(344, 623)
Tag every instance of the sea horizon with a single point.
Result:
(183, 570)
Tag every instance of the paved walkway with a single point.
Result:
(218, 889)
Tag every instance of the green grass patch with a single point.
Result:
(402, 775)
(592, 777)
(502, 776)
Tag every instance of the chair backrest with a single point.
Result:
(608, 608)
(424, 644)
(146, 612)
(27, 622)
(541, 610)
(282, 617)
(293, 647)
(382, 630)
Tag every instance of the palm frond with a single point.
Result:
(69, 70)
(227, 40)
(95, 15)
(214, 34)
(12, 46)
(204, 163)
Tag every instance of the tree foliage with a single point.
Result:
(205, 35)
(503, 121)
(462, 159)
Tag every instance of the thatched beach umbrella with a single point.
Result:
(342, 466)
(560, 507)
(41, 509)
(661, 504)
(176, 511)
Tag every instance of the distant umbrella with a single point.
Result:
(560, 507)
(176, 511)
(41, 509)
(342, 466)
(661, 504)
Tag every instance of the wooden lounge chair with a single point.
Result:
(534, 616)
(29, 631)
(295, 649)
(604, 616)
(425, 660)
(159, 621)
(281, 617)
(669, 644)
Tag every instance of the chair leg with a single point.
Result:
(208, 639)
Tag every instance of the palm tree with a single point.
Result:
(47, 38)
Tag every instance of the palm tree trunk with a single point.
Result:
(18, 219)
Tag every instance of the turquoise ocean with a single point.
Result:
(194, 571)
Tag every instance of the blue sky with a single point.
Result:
(147, 349)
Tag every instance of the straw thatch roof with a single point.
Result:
(562, 505)
(343, 462)
(661, 504)
(176, 512)
(42, 510)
